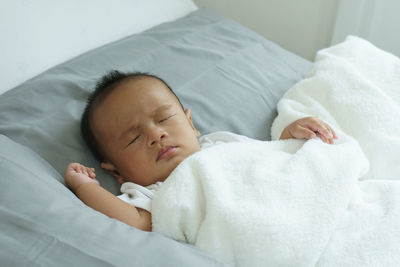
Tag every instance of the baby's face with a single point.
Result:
(143, 131)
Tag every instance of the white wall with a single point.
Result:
(38, 34)
(300, 26)
(375, 20)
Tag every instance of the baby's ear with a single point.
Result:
(189, 118)
(112, 170)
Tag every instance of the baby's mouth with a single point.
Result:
(166, 152)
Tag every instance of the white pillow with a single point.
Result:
(39, 34)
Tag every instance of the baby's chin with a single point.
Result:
(170, 170)
(172, 165)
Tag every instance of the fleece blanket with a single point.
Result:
(295, 202)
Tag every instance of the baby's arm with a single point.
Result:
(307, 128)
(81, 180)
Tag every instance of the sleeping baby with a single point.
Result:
(138, 129)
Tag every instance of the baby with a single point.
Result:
(139, 130)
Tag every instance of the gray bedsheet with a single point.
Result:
(229, 76)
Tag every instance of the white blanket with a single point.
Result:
(297, 203)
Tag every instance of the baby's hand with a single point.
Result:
(307, 128)
(77, 174)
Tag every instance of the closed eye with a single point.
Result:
(166, 118)
(131, 142)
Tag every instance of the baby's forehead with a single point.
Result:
(158, 86)
(134, 92)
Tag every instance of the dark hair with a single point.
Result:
(104, 86)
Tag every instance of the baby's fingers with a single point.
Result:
(303, 132)
(91, 172)
(322, 130)
(75, 167)
(88, 171)
(324, 139)
(79, 168)
(328, 137)
(333, 132)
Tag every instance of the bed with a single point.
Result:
(229, 76)
(276, 203)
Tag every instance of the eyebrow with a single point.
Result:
(162, 108)
(157, 110)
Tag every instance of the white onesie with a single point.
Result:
(141, 196)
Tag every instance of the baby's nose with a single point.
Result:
(156, 136)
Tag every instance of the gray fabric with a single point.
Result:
(230, 77)
(43, 223)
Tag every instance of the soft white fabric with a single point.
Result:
(137, 195)
(356, 87)
(221, 137)
(141, 196)
(260, 203)
(296, 203)
(37, 35)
